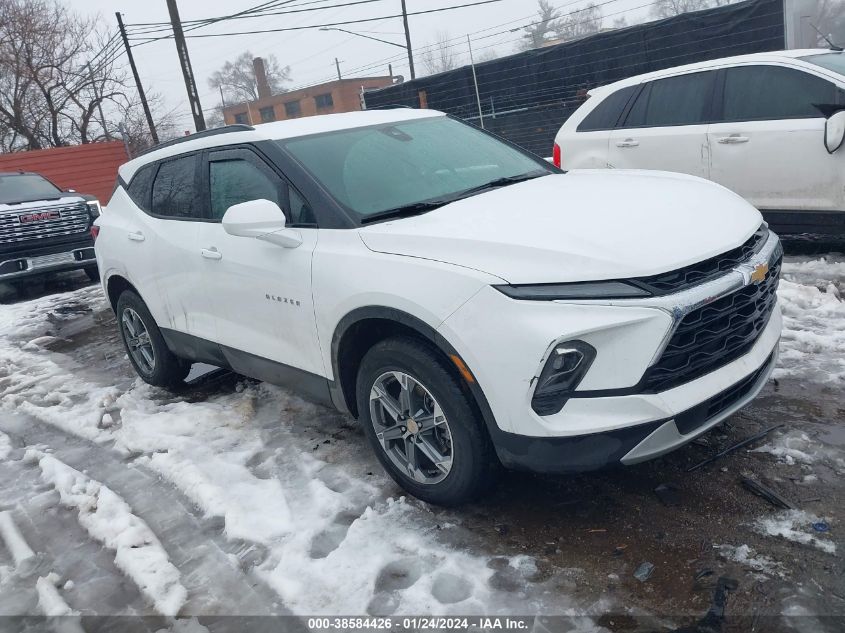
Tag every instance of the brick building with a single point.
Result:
(342, 95)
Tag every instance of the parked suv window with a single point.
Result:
(606, 114)
(139, 188)
(773, 92)
(239, 180)
(300, 211)
(174, 189)
(682, 100)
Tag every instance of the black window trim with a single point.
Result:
(646, 86)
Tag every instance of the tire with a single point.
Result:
(93, 273)
(166, 370)
(473, 464)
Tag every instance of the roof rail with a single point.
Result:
(237, 127)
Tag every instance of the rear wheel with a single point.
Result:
(422, 426)
(145, 346)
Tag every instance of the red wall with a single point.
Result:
(90, 168)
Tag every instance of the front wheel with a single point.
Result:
(422, 426)
(145, 346)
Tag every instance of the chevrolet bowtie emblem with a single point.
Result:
(759, 273)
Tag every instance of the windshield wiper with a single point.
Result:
(408, 210)
(503, 182)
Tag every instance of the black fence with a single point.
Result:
(526, 97)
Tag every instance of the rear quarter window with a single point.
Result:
(606, 114)
(139, 187)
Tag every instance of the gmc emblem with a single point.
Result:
(39, 216)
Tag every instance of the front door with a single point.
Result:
(260, 292)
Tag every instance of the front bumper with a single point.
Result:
(47, 260)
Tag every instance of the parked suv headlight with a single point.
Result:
(565, 367)
(576, 290)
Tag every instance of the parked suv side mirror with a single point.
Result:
(262, 220)
(834, 131)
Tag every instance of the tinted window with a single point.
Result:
(267, 114)
(300, 211)
(682, 100)
(174, 189)
(324, 101)
(139, 188)
(242, 118)
(606, 114)
(774, 92)
(292, 108)
(384, 167)
(237, 180)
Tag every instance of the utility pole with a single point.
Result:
(185, 62)
(408, 40)
(138, 84)
(337, 63)
(475, 81)
(99, 101)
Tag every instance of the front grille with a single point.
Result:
(683, 278)
(698, 416)
(73, 219)
(713, 335)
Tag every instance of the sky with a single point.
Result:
(310, 53)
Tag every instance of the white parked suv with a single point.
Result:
(468, 302)
(768, 126)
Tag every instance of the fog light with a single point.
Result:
(564, 369)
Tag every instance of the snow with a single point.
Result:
(5, 446)
(795, 525)
(797, 446)
(16, 544)
(108, 519)
(49, 600)
(748, 557)
(811, 299)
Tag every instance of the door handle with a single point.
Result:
(211, 253)
(137, 236)
(733, 139)
(628, 142)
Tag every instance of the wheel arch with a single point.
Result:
(116, 285)
(362, 328)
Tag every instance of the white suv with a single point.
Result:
(768, 126)
(467, 301)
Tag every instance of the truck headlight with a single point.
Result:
(94, 208)
(565, 367)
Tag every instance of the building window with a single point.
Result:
(324, 101)
(292, 109)
(267, 114)
(242, 117)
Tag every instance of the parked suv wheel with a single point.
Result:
(145, 346)
(421, 425)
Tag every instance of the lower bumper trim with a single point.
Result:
(629, 445)
(27, 265)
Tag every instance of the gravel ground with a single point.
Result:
(238, 498)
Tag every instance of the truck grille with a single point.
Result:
(716, 334)
(70, 220)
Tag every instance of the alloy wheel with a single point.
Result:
(411, 427)
(138, 341)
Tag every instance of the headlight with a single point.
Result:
(94, 208)
(577, 290)
(564, 369)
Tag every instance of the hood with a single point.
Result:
(22, 207)
(581, 226)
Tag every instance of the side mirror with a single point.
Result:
(834, 131)
(262, 220)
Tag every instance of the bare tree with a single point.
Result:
(579, 23)
(670, 8)
(829, 19)
(439, 57)
(130, 122)
(546, 23)
(56, 77)
(237, 79)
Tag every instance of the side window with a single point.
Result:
(300, 211)
(681, 100)
(139, 188)
(237, 180)
(774, 92)
(606, 114)
(174, 189)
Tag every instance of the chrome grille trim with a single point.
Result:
(74, 219)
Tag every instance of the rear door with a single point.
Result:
(768, 142)
(260, 292)
(585, 146)
(666, 127)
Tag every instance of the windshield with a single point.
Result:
(830, 61)
(377, 169)
(26, 188)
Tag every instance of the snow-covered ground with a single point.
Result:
(239, 497)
